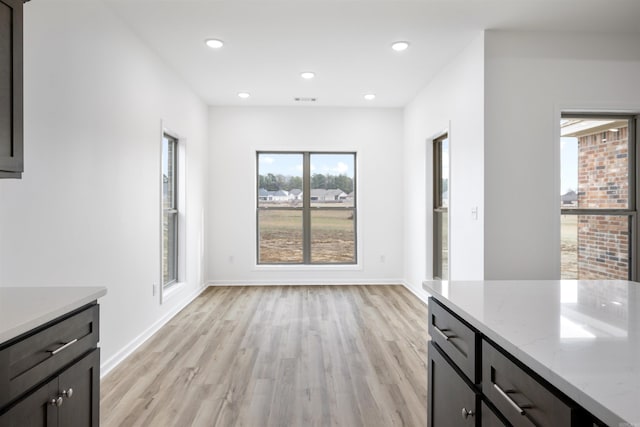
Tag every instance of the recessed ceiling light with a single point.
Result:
(370, 96)
(244, 95)
(614, 130)
(307, 75)
(400, 46)
(214, 43)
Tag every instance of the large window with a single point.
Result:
(306, 208)
(598, 196)
(169, 210)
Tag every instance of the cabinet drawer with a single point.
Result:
(31, 359)
(458, 340)
(522, 400)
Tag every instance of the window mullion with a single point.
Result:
(306, 208)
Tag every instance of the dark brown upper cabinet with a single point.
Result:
(11, 115)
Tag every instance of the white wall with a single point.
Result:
(453, 101)
(87, 210)
(235, 134)
(530, 79)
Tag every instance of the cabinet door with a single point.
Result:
(489, 418)
(11, 157)
(452, 402)
(36, 410)
(80, 387)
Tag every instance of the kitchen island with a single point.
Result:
(24, 308)
(49, 356)
(579, 339)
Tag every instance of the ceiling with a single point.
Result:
(346, 43)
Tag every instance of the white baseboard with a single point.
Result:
(108, 365)
(422, 295)
(336, 282)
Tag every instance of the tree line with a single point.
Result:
(273, 182)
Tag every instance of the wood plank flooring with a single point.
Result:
(279, 356)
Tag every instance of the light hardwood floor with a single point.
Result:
(279, 356)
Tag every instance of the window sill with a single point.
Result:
(171, 290)
(307, 267)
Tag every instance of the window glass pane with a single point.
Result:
(441, 266)
(280, 236)
(279, 180)
(569, 246)
(595, 163)
(332, 180)
(169, 247)
(444, 173)
(595, 246)
(168, 172)
(333, 236)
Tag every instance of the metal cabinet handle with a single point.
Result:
(62, 347)
(56, 401)
(67, 393)
(442, 334)
(467, 413)
(511, 402)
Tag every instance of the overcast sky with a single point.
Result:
(291, 164)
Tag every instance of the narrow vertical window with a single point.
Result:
(306, 208)
(169, 210)
(441, 207)
(597, 200)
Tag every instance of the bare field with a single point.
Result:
(569, 246)
(332, 236)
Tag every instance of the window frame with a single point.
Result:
(307, 209)
(634, 162)
(439, 209)
(171, 211)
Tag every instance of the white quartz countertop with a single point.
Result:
(25, 308)
(581, 336)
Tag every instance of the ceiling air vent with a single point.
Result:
(299, 99)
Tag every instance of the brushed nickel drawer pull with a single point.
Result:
(442, 334)
(511, 402)
(59, 349)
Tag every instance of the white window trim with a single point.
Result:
(358, 265)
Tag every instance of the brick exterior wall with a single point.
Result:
(603, 182)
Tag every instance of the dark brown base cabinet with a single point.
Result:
(473, 382)
(51, 376)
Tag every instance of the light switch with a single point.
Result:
(474, 213)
